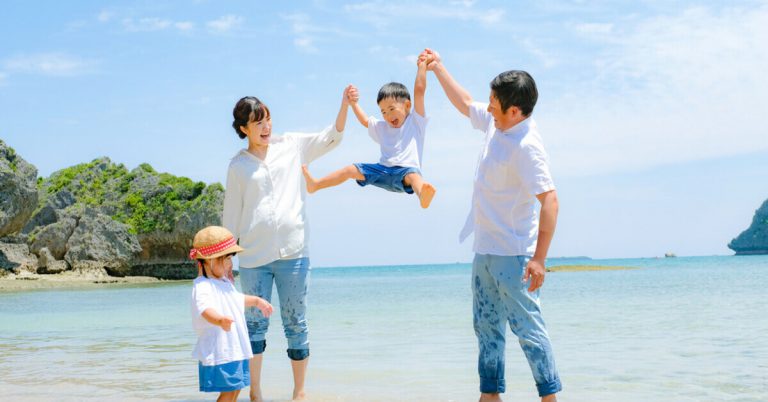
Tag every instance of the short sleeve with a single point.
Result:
(420, 122)
(479, 116)
(533, 165)
(374, 129)
(202, 296)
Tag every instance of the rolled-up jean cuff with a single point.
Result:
(258, 347)
(549, 388)
(492, 385)
(297, 354)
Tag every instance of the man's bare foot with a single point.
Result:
(427, 192)
(299, 395)
(311, 182)
(490, 398)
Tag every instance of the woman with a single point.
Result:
(264, 208)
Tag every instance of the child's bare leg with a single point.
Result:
(228, 396)
(333, 179)
(256, 377)
(423, 190)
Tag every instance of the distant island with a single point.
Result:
(99, 220)
(754, 240)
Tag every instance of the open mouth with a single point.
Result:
(395, 122)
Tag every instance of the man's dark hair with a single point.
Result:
(246, 110)
(515, 88)
(394, 90)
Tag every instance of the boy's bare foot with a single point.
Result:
(490, 398)
(427, 192)
(311, 182)
(299, 396)
(256, 397)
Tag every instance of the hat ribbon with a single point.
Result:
(209, 250)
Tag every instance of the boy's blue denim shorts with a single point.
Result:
(389, 178)
(224, 377)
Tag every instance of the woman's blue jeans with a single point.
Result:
(500, 297)
(291, 278)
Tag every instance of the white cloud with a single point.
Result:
(184, 26)
(153, 24)
(225, 23)
(304, 32)
(105, 16)
(667, 89)
(53, 64)
(306, 44)
(148, 24)
(594, 28)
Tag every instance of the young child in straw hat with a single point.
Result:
(218, 316)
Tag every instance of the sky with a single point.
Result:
(651, 111)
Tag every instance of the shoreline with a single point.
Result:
(13, 283)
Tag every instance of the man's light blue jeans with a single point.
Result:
(500, 297)
(291, 277)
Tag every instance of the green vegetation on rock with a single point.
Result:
(145, 200)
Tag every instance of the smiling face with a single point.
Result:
(394, 111)
(258, 132)
(504, 120)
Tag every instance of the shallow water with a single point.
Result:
(676, 329)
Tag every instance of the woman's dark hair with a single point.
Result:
(394, 90)
(246, 110)
(515, 88)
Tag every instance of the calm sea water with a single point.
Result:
(675, 329)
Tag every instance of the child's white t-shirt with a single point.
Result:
(214, 345)
(400, 146)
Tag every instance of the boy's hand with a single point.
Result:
(424, 57)
(433, 58)
(226, 323)
(264, 307)
(352, 95)
(345, 96)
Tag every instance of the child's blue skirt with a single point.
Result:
(224, 377)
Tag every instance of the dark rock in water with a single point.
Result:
(181, 270)
(754, 240)
(18, 190)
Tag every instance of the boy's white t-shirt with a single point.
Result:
(214, 345)
(400, 146)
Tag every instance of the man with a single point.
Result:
(511, 242)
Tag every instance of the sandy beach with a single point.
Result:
(69, 280)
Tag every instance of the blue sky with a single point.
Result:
(651, 110)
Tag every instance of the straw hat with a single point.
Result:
(212, 242)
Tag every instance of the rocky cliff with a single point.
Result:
(754, 240)
(99, 218)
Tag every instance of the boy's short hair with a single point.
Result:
(515, 88)
(248, 109)
(394, 90)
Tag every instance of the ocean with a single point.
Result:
(674, 329)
